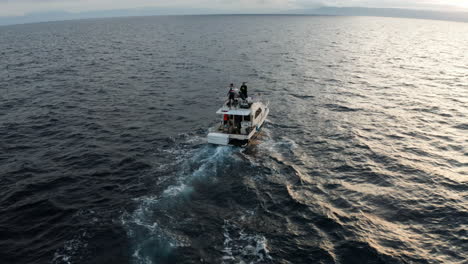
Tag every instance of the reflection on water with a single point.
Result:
(363, 158)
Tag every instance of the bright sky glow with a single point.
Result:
(21, 7)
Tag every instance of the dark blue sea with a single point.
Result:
(363, 158)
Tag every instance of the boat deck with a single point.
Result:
(234, 109)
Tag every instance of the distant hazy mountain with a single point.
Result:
(61, 15)
(338, 11)
(385, 12)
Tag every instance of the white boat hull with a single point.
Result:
(220, 138)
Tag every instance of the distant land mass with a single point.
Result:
(461, 16)
(385, 12)
(63, 15)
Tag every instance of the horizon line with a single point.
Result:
(220, 13)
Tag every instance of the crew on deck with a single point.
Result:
(231, 94)
(243, 91)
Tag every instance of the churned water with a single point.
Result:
(363, 158)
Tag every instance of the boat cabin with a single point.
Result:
(241, 120)
(238, 120)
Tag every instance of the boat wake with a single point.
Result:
(152, 227)
(242, 247)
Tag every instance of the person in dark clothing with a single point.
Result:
(231, 94)
(243, 91)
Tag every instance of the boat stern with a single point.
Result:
(218, 138)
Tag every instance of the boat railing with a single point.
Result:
(255, 98)
(215, 128)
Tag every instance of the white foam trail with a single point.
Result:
(241, 247)
(141, 225)
(71, 249)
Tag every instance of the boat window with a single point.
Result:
(247, 118)
(259, 111)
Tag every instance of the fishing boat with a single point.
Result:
(241, 121)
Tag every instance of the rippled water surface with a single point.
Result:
(363, 158)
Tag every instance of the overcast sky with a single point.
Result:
(22, 7)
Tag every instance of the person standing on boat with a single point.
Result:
(231, 94)
(243, 91)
